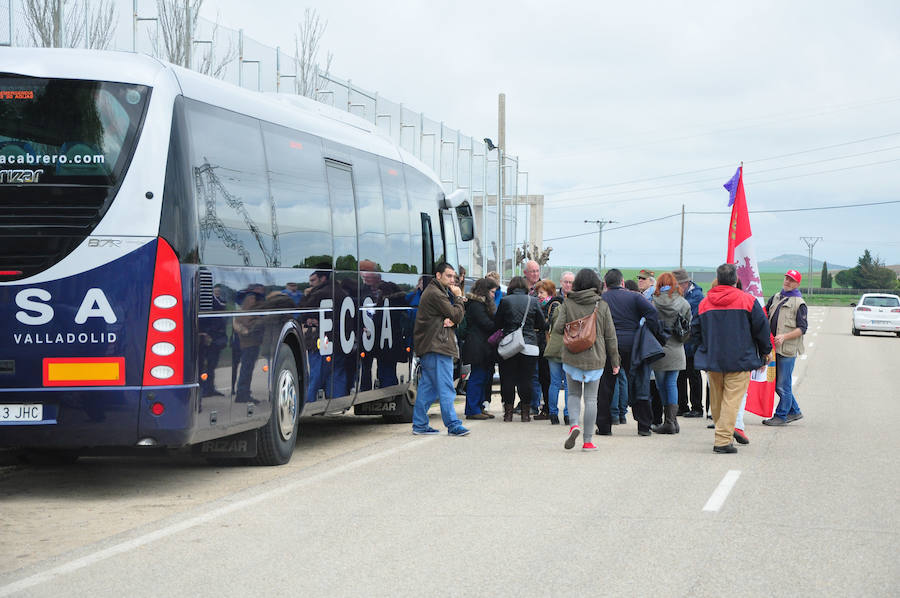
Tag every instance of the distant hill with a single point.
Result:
(797, 262)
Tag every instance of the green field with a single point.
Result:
(771, 282)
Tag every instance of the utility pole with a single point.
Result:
(810, 243)
(500, 262)
(57, 25)
(681, 247)
(188, 34)
(600, 224)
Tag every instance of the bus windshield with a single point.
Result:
(64, 148)
(62, 131)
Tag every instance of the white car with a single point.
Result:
(876, 312)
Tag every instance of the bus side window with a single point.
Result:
(399, 255)
(228, 171)
(424, 195)
(448, 231)
(300, 192)
(370, 209)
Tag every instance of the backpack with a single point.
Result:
(681, 329)
(579, 335)
(462, 329)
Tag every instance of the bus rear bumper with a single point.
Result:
(77, 418)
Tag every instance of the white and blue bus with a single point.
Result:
(184, 262)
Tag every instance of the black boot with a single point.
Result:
(526, 413)
(669, 427)
(507, 412)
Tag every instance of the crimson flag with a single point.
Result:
(741, 253)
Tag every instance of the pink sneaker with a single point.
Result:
(589, 446)
(574, 431)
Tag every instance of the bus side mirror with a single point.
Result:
(466, 221)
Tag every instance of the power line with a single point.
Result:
(710, 213)
(718, 188)
(694, 182)
(731, 164)
(788, 118)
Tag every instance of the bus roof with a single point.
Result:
(283, 109)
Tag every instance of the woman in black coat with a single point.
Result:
(517, 372)
(476, 350)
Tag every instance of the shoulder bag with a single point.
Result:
(579, 335)
(514, 342)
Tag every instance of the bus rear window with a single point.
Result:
(64, 148)
(67, 132)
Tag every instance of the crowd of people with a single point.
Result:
(607, 345)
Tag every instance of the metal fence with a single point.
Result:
(460, 161)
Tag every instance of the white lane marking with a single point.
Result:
(721, 492)
(129, 545)
(804, 357)
(811, 344)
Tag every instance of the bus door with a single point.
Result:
(346, 347)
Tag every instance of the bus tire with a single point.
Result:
(404, 412)
(276, 439)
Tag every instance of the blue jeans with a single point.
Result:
(557, 383)
(478, 379)
(436, 383)
(619, 406)
(537, 393)
(784, 370)
(667, 384)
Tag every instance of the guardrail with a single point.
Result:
(851, 292)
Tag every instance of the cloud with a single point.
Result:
(603, 92)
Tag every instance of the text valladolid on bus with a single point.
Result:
(184, 262)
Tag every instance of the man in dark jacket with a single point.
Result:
(690, 383)
(436, 347)
(733, 340)
(627, 310)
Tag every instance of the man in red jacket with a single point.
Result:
(733, 336)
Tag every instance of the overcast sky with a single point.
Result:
(601, 93)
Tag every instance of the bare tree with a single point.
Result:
(68, 24)
(306, 53)
(178, 25)
(533, 252)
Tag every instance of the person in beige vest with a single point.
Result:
(788, 321)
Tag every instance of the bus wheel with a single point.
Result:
(277, 438)
(404, 411)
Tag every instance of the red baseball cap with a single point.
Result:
(795, 275)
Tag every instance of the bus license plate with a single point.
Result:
(21, 413)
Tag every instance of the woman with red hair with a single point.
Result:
(675, 320)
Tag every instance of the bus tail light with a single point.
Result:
(164, 355)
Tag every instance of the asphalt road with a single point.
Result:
(365, 508)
